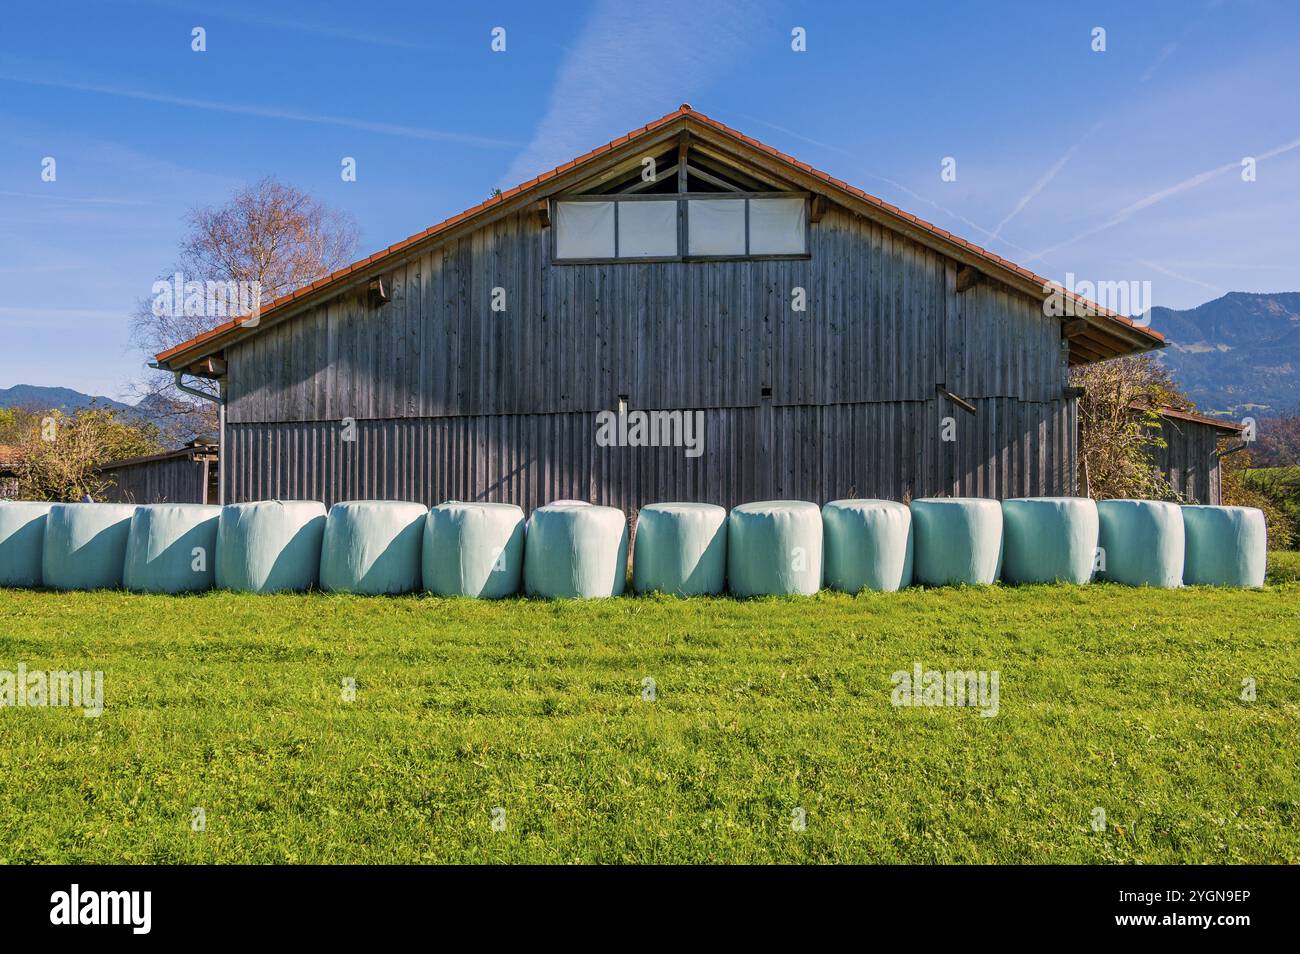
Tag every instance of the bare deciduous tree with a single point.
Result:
(269, 233)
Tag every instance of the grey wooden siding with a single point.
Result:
(178, 480)
(811, 452)
(1188, 460)
(883, 323)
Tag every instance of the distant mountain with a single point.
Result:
(57, 399)
(178, 427)
(1239, 354)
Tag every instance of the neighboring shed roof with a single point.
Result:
(195, 451)
(1178, 414)
(9, 456)
(1112, 334)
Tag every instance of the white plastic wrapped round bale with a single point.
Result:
(774, 548)
(172, 548)
(22, 537)
(473, 549)
(270, 546)
(957, 540)
(1142, 542)
(681, 548)
(575, 552)
(1049, 539)
(1225, 546)
(868, 545)
(372, 547)
(85, 545)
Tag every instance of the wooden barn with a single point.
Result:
(684, 313)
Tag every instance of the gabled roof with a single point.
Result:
(1107, 333)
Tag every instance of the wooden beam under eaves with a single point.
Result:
(543, 212)
(818, 209)
(967, 278)
(683, 147)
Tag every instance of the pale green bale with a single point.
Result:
(575, 552)
(868, 545)
(957, 540)
(22, 538)
(1225, 546)
(172, 548)
(85, 545)
(681, 549)
(473, 549)
(1048, 539)
(774, 548)
(270, 546)
(1142, 542)
(372, 547)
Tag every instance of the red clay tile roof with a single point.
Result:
(684, 111)
(9, 455)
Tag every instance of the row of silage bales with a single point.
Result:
(1049, 539)
(473, 549)
(774, 548)
(1142, 543)
(372, 547)
(681, 549)
(270, 546)
(85, 546)
(171, 548)
(573, 549)
(868, 545)
(1224, 546)
(22, 538)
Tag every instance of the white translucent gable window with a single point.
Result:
(647, 229)
(777, 226)
(584, 229)
(716, 226)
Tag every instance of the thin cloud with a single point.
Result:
(1155, 267)
(72, 199)
(1126, 213)
(297, 26)
(955, 216)
(389, 129)
(1043, 180)
(634, 60)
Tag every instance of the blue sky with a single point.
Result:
(1122, 165)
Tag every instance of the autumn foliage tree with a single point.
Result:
(59, 454)
(1119, 429)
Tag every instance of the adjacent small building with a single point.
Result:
(187, 475)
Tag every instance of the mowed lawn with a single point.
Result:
(534, 713)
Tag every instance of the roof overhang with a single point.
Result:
(1093, 333)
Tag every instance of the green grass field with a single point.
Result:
(1112, 698)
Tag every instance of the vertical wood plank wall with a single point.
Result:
(454, 401)
(1188, 460)
(178, 480)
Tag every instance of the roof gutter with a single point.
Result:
(220, 402)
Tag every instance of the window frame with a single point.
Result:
(683, 227)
